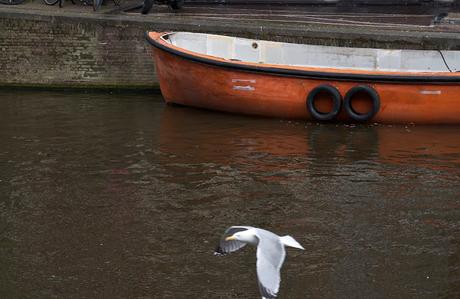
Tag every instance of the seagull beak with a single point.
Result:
(231, 238)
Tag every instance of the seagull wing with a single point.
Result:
(270, 258)
(225, 247)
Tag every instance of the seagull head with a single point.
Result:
(247, 236)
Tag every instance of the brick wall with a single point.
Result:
(74, 52)
(110, 51)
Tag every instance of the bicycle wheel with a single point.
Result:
(11, 2)
(50, 2)
(96, 4)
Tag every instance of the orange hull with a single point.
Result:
(204, 81)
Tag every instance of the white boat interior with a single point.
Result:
(260, 51)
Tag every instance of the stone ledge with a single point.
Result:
(412, 37)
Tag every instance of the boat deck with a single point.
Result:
(276, 53)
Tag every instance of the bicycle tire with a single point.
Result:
(11, 2)
(50, 2)
(96, 4)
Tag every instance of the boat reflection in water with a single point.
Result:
(262, 144)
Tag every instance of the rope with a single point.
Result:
(445, 62)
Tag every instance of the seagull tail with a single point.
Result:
(289, 241)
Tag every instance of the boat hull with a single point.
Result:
(195, 83)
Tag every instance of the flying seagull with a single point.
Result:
(270, 253)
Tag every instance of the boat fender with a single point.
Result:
(375, 100)
(336, 102)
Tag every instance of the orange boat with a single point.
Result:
(311, 82)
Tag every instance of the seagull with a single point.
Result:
(270, 253)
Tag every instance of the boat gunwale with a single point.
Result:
(160, 43)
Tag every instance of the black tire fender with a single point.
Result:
(375, 100)
(336, 102)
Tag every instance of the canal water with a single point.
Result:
(121, 196)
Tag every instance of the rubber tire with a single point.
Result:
(13, 2)
(362, 117)
(97, 4)
(336, 105)
(50, 2)
(147, 6)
